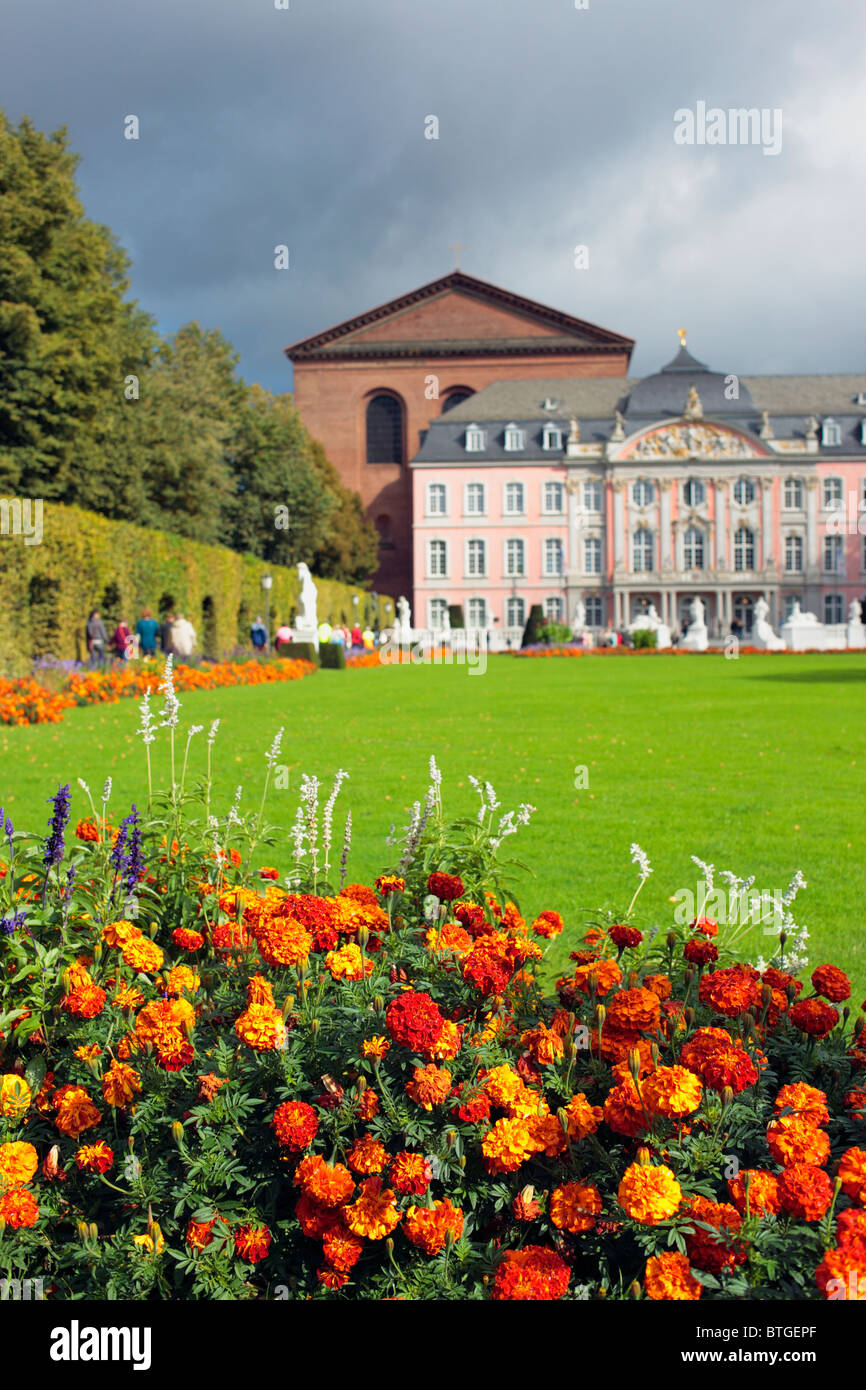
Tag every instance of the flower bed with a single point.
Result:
(26, 702)
(218, 1085)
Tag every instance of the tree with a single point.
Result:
(67, 335)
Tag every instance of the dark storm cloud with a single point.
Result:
(306, 127)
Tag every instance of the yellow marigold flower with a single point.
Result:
(146, 1243)
(504, 1086)
(87, 1052)
(375, 1047)
(77, 974)
(672, 1091)
(18, 1163)
(574, 1207)
(668, 1277)
(181, 978)
(452, 937)
(348, 963)
(507, 1145)
(429, 1086)
(120, 1084)
(143, 954)
(261, 1028)
(649, 1195)
(15, 1096)
(128, 997)
(447, 1045)
(375, 1213)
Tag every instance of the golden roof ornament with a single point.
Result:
(694, 410)
(681, 333)
(574, 434)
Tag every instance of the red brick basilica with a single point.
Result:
(369, 387)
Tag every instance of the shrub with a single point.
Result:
(455, 615)
(555, 632)
(332, 656)
(300, 651)
(531, 633)
(644, 637)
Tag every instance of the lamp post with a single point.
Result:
(267, 583)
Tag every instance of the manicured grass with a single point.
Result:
(756, 765)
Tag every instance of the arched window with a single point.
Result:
(793, 494)
(693, 549)
(744, 549)
(459, 393)
(643, 492)
(643, 549)
(384, 430)
(744, 491)
(693, 492)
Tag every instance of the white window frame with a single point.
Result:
(592, 546)
(691, 484)
(434, 604)
(551, 437)
(747, 485)
(513, 511)
(744, 546)
(796, 543)
(835, 546)
(560, 492)
(474, 441)
(831, 433)
(559, 615)
(430, 489)
(640, 533)
(515, 439)
(795, 485)
(699, 544)
(511, 601)
(838, 602)
(469, 511)
(515, 541)
(638, 488)
(592, 487)
(474, 622)
(593, 602)
(559, 552)
(468, 570)
(832, 503)
(432, 571)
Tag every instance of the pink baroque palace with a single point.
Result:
(601, 497)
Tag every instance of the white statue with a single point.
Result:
(579, 616)
(696, 639)
(697, 611)
(307, 618)
(404, 616)
(650, 619)
(763, 634)
(855, 611)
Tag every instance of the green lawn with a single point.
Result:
(755, 765)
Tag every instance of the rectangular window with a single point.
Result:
(592, 496)
(475, 505)
(793, 494)
(476, 612)
(438, 611)
(833, 608)
(515, 558)
(436, 499)
(834, 554)
(643, 550)
(474, 440)
(592, 555)
(553, 556)
(553, 609)
(554, 499)
(513, 499)
(437, 559)
(515, 612)
(476, 559)
(594, 616)
(832, 493)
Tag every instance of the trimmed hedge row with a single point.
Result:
(85, 561)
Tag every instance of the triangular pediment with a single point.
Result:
(458, 313)
(684, 439)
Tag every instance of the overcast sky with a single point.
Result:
(306, 127)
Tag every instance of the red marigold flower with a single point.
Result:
(85, 1001)
(414, 1020)
(832, 982)
(342, 1249)
(525, 1207)
(411, 1174)
(534, 1273)
(705, 925)
(199, 1234)
(173, 1052)
(269, 873)
(625, 936)
(763, 1195)
(730, 1067)
(840, 1275)
(295, 1124)
(367, 1155)
(389, 883)
(792, 1139)
(445, 887)
(252, 1243)
(814, 1017)
(430, 1227)
(805, 1191)
(94, 1158)
(852, 1171)
(634, 1011)
(548, 924)
(471, 917)
(716, 1250)
(779, 979)
(187, 939)
(730, 992)
(699, 951)
(332, 1278)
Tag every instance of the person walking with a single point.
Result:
(283, 636)
(122, 640)
(96, 639)
(259, 635)
(165, 634)
(147, 629)
(183, 637)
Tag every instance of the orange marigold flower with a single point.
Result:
(295, 1124)
(763, 1197)
(805, 1191)
(429, 1086)
(375, 1213)
(328, 1184)
(85, 1001)
(430, 1227)
(368, 1105)
(18, 1208)
(447, 1045)
(597, 977)
(543, 1044)
(317, 1221)
(119, 933)
(94, 1158)
(261, 1028)
(525, 1207)
(574, 1207)
(283, 941)
(583, 1118)
(143, 955)
(791, 1139)
(507, 1145)
(389, 883)
(548, 924)
(452, 937)
(75, 1111)
(199, 1234)
(842, 1273)
(187, 939)
(702, 1045)
(128, 997)
(367, 1155)
(718, 1249)
(181, 979)
(332, 1278)
(252, 1243)
(375, 1047)
(852, 1171)
(634, 1010)
(531, 1274)
(673, 1092)
(120, 1084)
(342, 1250)
(649, 1194)
(410, 1174)
(18, 1163)
(88, 829)
(623, 1112)
(659, 984)
(668, 1277)
(730, 992)
(832, 982)
(808, 1102)
(347, 963)
(208, 1085)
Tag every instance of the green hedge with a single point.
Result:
(85, 561)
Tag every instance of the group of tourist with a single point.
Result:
(175, 635)
(338, 634)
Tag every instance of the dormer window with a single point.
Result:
(550, 404)
(831, 434)
(474, 439)
(551, 437)
(515, 438)
(863, 431)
